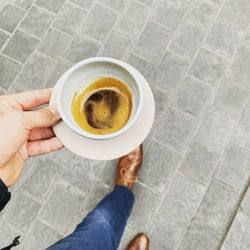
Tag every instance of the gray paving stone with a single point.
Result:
(216, 130)
(8, 71)
(162, 102)
(62, 206)
(182, 199)
(61, 156)
(245, 204)
(2, 3)
(203, 12)
(22, 212)
(131, 27)
(159, 164)
(61, 67)
(20, 46)
(54, 43)
(146, 202)
(149, 2)
(165, 233)
(235, 13)
(153, 42)
(69, 19)
(137, 11)
(116, 45)
(108, 172)
(170, 73)
(99, 22)
(188, 39)
(25, 173)
(222, 39)
(36, 22)
(6, 235)
(3, 38)
(96, 194)
(150, 136)
(201, 236)
(10, 16)
(177, 130)
(242, 133)
(246, 41)
(231, 98)
(37, 70)
(199, 164)
(193, 97)
(234, 168)
(170, 12)
(208, 66)
(81, 48)
(41, 236)
(118, 5)
(217, 1)
(53, 6)
(126, 238)
(238, 71)
(146, 68)
(43, 175)
(132, 21)
(218, 205)
(25, 4)
(238, 236)
(83, 3)
(81, 172)
(3, 212)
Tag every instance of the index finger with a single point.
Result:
(33, 98)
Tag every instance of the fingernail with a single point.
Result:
(54, 110)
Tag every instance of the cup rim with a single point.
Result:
(81, 131)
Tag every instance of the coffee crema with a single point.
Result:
(104, 107)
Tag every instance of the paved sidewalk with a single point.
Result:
(191, 192)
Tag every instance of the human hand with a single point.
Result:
(25, 132)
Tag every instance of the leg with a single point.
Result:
(103, 227)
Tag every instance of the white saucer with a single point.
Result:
(111, 148)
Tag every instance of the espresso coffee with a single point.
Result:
(104, 107)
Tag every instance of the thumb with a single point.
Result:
(42, 118)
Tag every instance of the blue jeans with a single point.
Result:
(103, 227)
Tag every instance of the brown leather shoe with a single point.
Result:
(127, 168)
(140, 242)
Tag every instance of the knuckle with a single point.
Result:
(48, 113)
(7, 104)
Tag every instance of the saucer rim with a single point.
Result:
(60, 131)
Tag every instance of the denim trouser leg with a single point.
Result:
(103, 227)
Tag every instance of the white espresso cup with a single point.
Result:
(82, 74)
